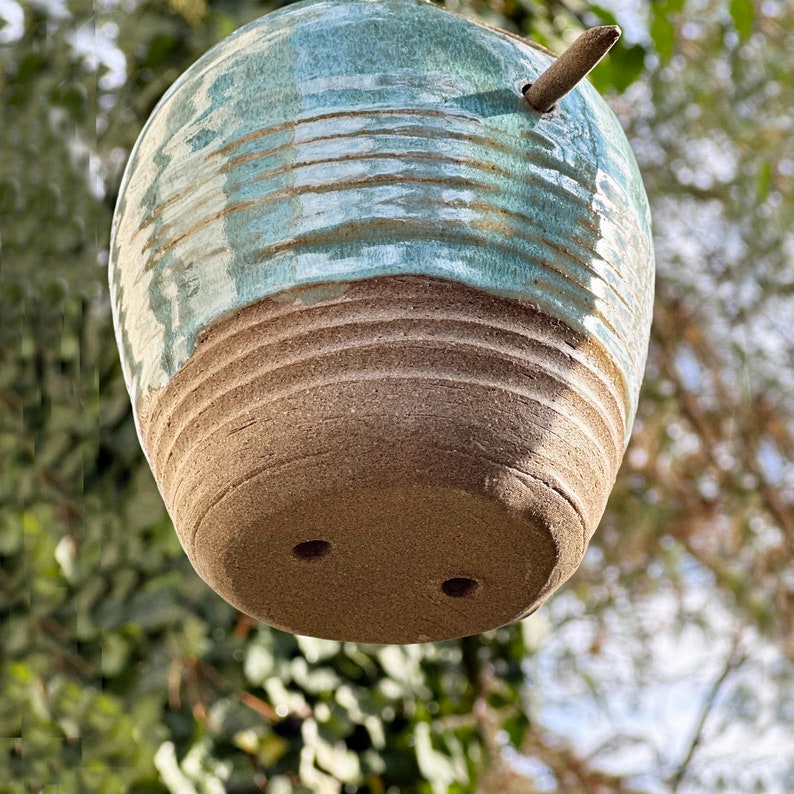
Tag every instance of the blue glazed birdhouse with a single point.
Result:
(382, 296)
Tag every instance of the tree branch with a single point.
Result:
(574, 774)
(735, 658)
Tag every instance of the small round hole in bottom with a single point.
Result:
(311, 549)
(460, 587)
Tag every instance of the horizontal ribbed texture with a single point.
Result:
(341, 141)
(425, 430)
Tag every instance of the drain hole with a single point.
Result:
(460, 587)
(311, 549)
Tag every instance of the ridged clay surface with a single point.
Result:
(427, 432)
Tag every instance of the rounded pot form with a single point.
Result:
(383, 325)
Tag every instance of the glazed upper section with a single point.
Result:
(339, 140)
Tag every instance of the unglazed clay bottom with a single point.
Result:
(395, 460)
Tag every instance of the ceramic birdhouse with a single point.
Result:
(382, 296)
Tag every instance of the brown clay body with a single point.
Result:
(401, 459)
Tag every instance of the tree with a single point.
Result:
(666, 663)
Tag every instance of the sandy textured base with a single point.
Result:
(402, 459)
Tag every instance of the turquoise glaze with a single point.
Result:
(343, 139)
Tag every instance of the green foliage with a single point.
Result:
(623, 67)
(743, 15)
(48, 189)
(662, 27)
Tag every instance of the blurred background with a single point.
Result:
(665, 665)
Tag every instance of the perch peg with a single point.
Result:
(571, 67)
